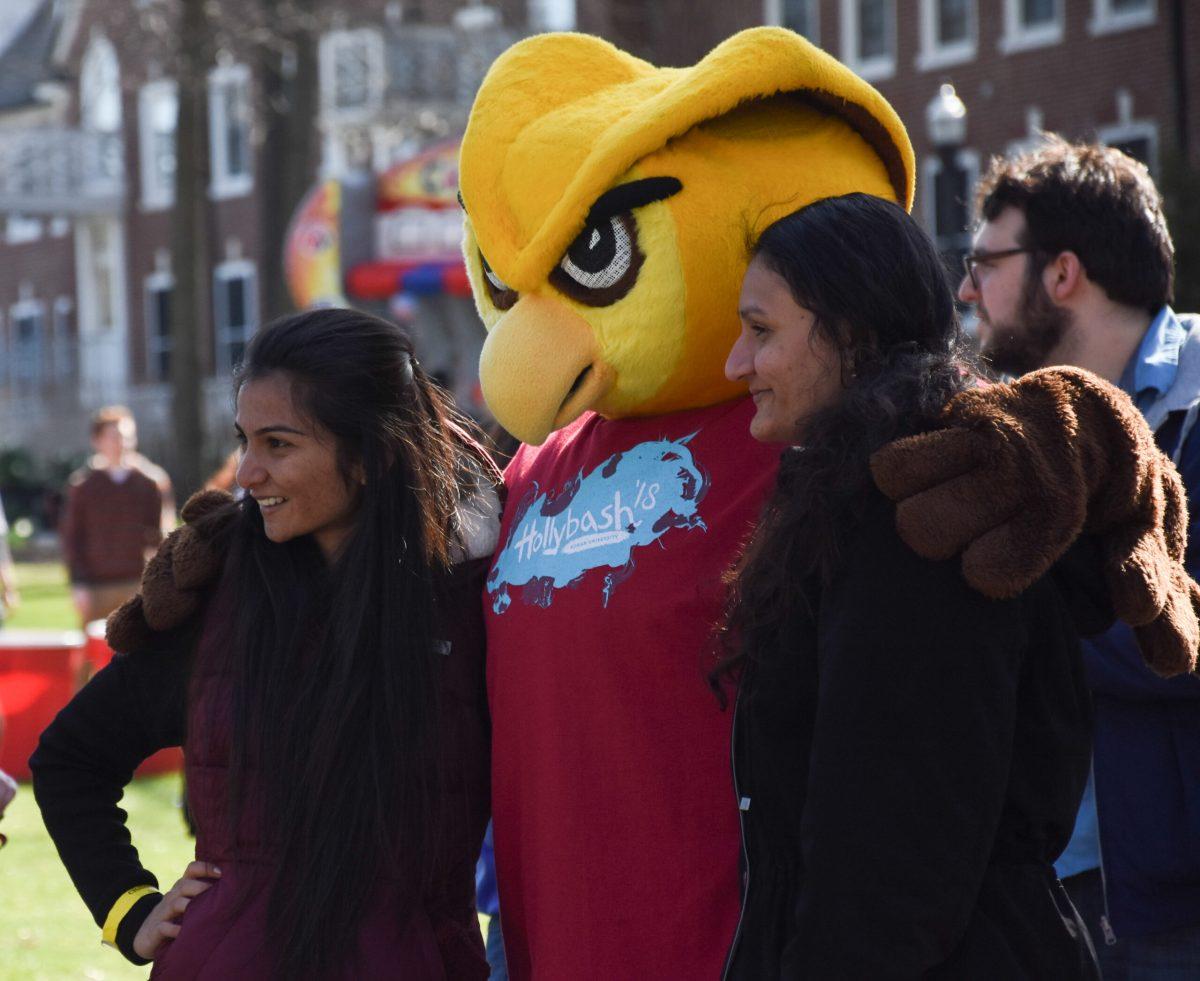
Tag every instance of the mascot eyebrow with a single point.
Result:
(635, 194)
(625, 197)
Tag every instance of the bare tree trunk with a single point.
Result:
(190, 247)
(288, 153)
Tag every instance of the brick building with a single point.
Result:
(87, 107)
(87, 117)
(1112, 70)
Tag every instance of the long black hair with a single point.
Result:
(880, 298)
(331, 665)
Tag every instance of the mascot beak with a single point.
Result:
(541, 368)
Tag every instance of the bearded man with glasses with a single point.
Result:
(1073, 265)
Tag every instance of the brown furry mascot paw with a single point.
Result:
(174, 580)
(1021, 470)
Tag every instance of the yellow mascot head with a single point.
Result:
(610, 205)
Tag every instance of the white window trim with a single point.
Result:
(773, 14)
(1134, 129)
(551, 15)
(1018, 37)
(225, 185)
(233, 269)
(155, 282)
(89, 322)
(934, 55)
(22, 308)
(931, 167)
(154, 196)
(22, 229)
(1105, 20)
(100, 54)
(376, 74)
(872, 69)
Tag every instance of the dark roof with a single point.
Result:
(25, 57)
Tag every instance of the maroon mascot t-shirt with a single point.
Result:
(616, 830)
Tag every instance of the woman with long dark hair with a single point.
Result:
(908, 754)
(316, 647)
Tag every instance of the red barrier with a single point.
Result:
(96, 648)
(39, 671)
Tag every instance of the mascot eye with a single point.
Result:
(602, 264)
(501, 294)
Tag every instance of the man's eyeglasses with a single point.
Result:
(972, 259)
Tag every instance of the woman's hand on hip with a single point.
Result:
(163, 922)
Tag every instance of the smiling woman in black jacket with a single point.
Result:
(908, 754)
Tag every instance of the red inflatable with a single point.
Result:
(39, 672)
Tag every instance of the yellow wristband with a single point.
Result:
(122, 906)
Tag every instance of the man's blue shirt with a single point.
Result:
(1152, 368)
(1150, 371)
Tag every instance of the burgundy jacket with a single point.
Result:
(139, 704)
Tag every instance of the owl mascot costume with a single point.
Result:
(609, 205)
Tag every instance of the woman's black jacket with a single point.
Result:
(909, 761)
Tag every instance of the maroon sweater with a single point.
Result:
(108, 526)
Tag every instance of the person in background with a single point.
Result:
(224, 478)
(502, 446)
(115, 516)
(8, 790)
(487, 901)
(1073, 264)
(10, 596)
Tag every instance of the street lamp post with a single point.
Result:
(946, 124)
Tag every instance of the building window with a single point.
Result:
(1120, 15)
(21, 229)
(158, 106)
(160, 288)
(229, 130)
(27, 322)
(869, 37)
(800, 16)
(1137, 139)
(551, 15)
(235, 303)
(352, 73)
(100, 87)
(947, 33)
(1038, 13)
(1031, 24)
(62, 355)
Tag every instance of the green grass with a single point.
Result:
(45, 930)
(45, 598)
